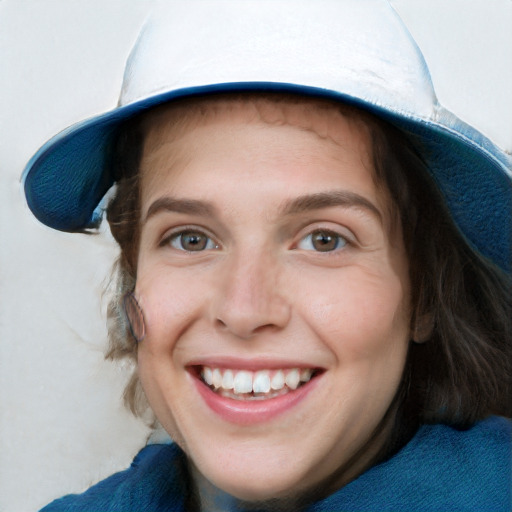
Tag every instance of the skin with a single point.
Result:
(260, 290)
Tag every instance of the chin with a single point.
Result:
(262, 487)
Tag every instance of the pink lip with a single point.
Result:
(250, 412)
(244, 364)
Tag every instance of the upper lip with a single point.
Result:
(230, 362)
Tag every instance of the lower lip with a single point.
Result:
(250, 412)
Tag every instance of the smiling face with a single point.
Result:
(275, 293)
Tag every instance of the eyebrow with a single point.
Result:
(328, 199)
(294, 206)
(172, 204)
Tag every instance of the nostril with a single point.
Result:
(245, 319)
(220, 323)
(243, 331)
(266, 327)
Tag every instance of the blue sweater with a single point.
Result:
(440, 469)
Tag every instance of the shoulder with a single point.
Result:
(487, 444)
(441, 468)
(155, 481)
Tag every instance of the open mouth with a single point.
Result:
(255, 385)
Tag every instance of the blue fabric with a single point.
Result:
(66, 179)
(440, 469)
(156, 481)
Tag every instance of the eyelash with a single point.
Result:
(175, 240)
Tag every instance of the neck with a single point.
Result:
(209, 498)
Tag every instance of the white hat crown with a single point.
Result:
(360, 47)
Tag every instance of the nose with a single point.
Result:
(251, 298)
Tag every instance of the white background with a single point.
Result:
(62, 426)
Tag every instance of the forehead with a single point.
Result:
(327, 119)
(301, 133)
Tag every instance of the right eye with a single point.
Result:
(322, 240)
(191, 241)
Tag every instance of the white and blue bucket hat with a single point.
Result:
(354, 51)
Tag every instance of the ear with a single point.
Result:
(422, 329)
(135, 317)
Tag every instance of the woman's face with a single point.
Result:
(275, 292)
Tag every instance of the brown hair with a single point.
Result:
(462, 373)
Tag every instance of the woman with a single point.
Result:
(315, 323)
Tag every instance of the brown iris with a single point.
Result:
(324, 241)
(193, 240)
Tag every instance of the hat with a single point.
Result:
(355, 51)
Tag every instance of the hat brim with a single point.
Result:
(67, 178)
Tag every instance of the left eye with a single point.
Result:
(192, 241)
(322, 241)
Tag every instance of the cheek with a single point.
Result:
(364, 323)
(358, 313)
(171, 301)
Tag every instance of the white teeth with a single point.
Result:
(217, 378)
(207, 375)
(292, 379)
(261, 382)
(277, 381)
(243, 382)
(228, 380)
(305, 374)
